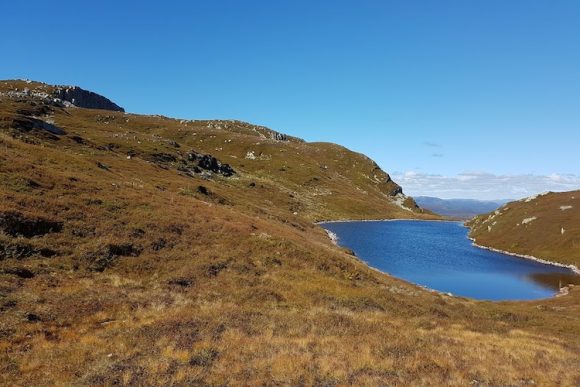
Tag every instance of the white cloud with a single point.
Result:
(483, 185)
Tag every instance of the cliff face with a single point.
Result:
(86, 99)
(59, 96)
(545, 226)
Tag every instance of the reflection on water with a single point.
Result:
(555, 280)
(438, 255)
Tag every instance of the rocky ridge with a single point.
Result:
(60, 96)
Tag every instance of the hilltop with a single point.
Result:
(149, 250)
(545, 226)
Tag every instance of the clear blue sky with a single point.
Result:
(429, 87)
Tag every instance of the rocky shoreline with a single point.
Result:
(544, 261)
(384, 220)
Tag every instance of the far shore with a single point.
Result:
(386, 220)
(531, 257)
(334, 239)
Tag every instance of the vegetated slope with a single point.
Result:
(128, 255)
(545, 226)
(315, 180)
(458, 208)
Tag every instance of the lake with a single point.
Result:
(438, 255)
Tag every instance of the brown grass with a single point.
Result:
(541, 237)
(155, 282)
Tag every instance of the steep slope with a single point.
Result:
(546, 226)
(129, 255)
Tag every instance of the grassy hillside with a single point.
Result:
(315, 180)
(545, 226)
(129, 256)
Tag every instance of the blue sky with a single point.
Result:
(432, 90)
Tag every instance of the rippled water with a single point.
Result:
(439, 255)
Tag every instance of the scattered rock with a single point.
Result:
(210, 163)
(278, 136)
(534, 197)
(529, 220)
(202, 190)
(102, 166)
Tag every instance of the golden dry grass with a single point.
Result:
(546, 227)
(151, 281)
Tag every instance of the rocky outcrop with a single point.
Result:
(210, 163)
(85, 99)
(61, 96)
(254, 130)
(278, 136)
(26, 124)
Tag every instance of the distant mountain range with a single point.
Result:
(459, 208)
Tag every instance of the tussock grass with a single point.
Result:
(236, 292)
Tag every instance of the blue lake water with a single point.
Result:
(439, 255)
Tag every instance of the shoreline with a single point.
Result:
(574, 269)
(385, 220)
(334, 239)
(332, 236)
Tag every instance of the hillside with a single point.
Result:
(315, 180)
(148, 250)
(458, 208)
(545, 226)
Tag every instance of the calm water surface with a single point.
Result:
(438, 255)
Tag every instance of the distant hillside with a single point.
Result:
(458, 208)
(545, 226)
